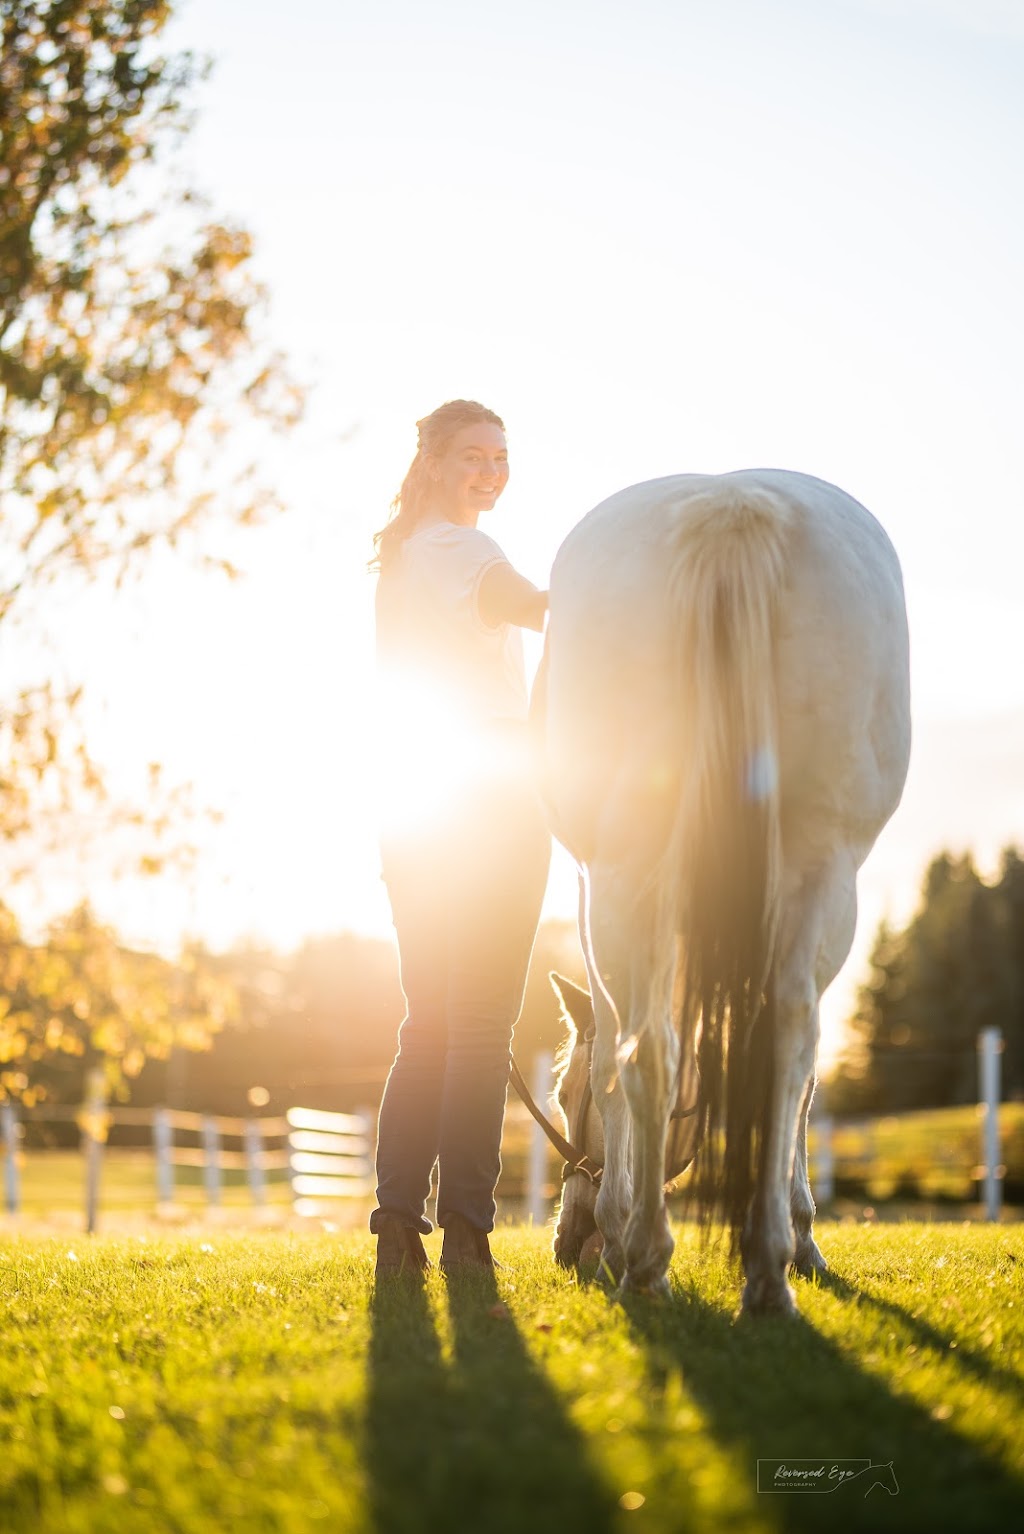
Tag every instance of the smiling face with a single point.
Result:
(471, 472)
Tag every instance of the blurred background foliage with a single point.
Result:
(319, 1026)
(316, 1027)
(131, 352)
(81, 999)
(957, 967)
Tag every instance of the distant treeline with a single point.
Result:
(320, 1027)
(254, 1030)
(957, 967)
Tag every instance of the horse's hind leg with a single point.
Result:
(815, 937)
(807, 1259)
(768, 1242)
(838, 914)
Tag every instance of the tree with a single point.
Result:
(128, 345)
(1011, 892)
(319, 1027)
(956, 968)
(80, 999)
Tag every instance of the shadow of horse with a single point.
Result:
(729, 1367)
(983, 1368)
(445, 1449)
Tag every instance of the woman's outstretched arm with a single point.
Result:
(505, 596)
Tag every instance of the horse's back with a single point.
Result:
(840, 665)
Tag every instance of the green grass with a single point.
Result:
(242, 1383)
(53, 1183)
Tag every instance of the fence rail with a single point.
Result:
(316, 1158)
(319, 1156)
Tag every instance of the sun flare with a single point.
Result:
(432, 750)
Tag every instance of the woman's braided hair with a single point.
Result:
(408, 506)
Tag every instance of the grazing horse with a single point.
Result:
(724, 707)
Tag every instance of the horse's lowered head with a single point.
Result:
(581, 1122)
(577, 1238)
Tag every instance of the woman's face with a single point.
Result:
(472, 471)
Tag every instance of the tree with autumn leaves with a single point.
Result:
(130, 350)
(82, 996)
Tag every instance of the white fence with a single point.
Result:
(988, 1172)
(330, 1156)
(322, 1157)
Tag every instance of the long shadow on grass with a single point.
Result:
(773, 1388)
(477, 1442)
(927, 1336)
(406, 1393)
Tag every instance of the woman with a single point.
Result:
(464, 846)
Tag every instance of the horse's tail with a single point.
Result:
(723, 890)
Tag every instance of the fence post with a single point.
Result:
(369, 1118)
(867, 1156)
(254, 1161)
(990, 1046)
(12, 1172)
(163, 1141)
(536, 1202)
(211, 1161)
(825, 1161)
(94, 1123)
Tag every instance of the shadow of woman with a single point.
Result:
(777, 1389)
(472, 1437)
(405, 1397)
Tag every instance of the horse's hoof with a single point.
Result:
(765, 1298)
(592, 1248)
(809, 1261)
(652, 1288)
(611, 1267)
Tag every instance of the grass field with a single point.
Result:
(256, 1382)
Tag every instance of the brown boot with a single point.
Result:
(465, 1246)
(399, 1249)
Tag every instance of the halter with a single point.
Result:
(575, 1160)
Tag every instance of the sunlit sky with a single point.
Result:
(657, 237)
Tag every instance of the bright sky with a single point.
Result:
(661, 236)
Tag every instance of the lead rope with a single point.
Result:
(575, 1160)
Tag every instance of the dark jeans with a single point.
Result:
(466, 900)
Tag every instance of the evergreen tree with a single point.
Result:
(1011, 894)
(958, 967)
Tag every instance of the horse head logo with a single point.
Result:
(882, 1475)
